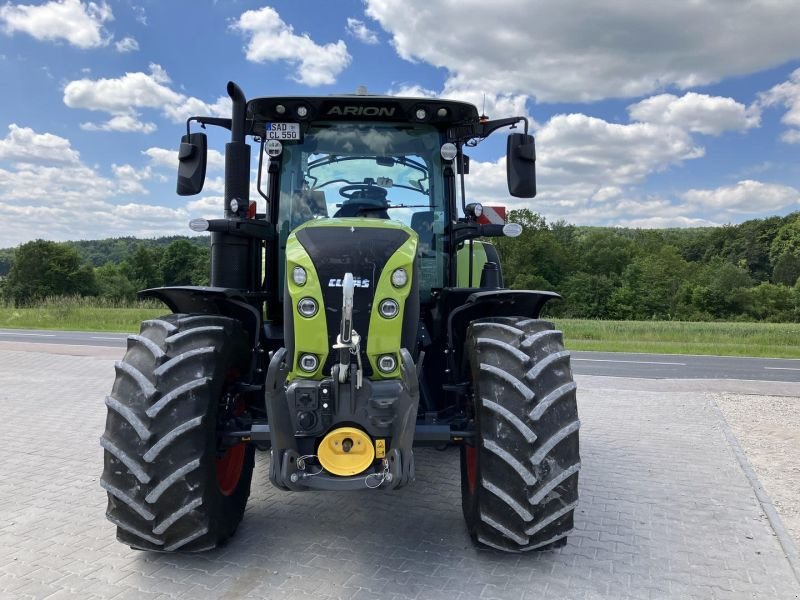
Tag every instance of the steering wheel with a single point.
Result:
(363, 191)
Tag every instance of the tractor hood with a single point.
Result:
(370, 249)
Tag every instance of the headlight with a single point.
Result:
(299, 276)
(389, 308)
(309, 362)
(307, 307)
(387, 363)
(399, 277)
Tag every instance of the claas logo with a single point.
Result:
(357, 282)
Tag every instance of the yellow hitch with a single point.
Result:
(346, 451)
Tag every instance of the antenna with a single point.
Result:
(483, 116)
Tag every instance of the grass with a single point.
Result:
(778, 340)
(81, 314)
(775, 340)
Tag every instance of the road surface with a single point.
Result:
(607, 364)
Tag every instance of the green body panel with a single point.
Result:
(478, 260)
(310, 334)
(384, 335)
(354, 222)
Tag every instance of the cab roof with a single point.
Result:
(359, 107)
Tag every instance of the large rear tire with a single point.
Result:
(170, 483)
(519, 480)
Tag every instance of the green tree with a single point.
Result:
(787, 269)
(142, 268)
(650, 286)
(605, 252)
(184, 263)
(43, 268)
(538, 251)
(113, 283)
(586, 295)
(770, 302)
(787, 239)
(716, 291)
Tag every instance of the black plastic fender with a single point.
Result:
(228, 302)
(490, 303)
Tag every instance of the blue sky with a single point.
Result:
(647, 114)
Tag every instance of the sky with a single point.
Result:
(646, 114)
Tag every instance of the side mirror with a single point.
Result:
(192, 164)
(521, 165)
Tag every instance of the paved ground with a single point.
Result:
(666, 512)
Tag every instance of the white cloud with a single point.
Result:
(125, 96)
(78, 23)
(745, 197)
(579, 148)
(699, 113)
(207, 207)
(140, 14)
(23, 144)
(122, 95)
(161, 157)
(129, 179)
(599, 49)
(791, 136)
(588, 170)
(360, 31)
(127, 44)
(78, 201)
(190, 106)
(125, 123)
(270, 39)
(787, 94)
(660, 222)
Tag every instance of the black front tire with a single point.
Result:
(170, 484)
(519, 480)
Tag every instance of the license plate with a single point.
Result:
(283, 131)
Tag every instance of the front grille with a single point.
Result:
(362, 251)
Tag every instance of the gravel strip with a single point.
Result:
(768, 429)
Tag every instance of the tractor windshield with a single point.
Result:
(368, 170)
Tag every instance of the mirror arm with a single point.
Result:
(217, 121)
(462, 133)
(469, 231)
(251, 228)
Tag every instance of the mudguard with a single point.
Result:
(210, 300)
(467, 306)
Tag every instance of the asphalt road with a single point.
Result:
(608, 364)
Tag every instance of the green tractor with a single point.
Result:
(360, 315)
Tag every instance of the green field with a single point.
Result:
(779, 340)
(80, 314)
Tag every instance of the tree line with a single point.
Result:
(749, 271)
(41, 269)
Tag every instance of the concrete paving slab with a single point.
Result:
(666, 512)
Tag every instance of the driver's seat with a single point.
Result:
(355, 208)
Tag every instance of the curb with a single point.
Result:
(784, 539)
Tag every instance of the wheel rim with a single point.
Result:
(472, 468)
(229, 469)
